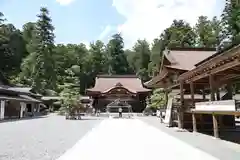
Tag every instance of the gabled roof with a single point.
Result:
(105, 83)
(186, 58)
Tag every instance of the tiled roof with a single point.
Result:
(106, 83)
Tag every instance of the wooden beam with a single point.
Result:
(228, 77)
(235, 113)
(234, 70)
(224, 67)
(215, 126)
(194, 122)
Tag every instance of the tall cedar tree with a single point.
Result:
(40, 65)
(117, 59)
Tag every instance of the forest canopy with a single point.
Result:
(30, 56)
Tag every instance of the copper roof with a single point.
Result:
(230, 47)
(181, 59)
(186, 59)
(107, 82)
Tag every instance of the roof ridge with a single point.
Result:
(116, 76)
(191, 49)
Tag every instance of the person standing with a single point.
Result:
(120, 112)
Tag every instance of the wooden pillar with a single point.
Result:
(22, 109)
(215, 126)
(2, 109)
(203, 94)
(229, 89)
(180, 109)
(194, 122)
(220, 121)
(218, 94)
(192, 94)
(33, 108)
(38, 107)
(212, 91)
(201, 121)
(166, 97)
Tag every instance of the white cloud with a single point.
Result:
(105, 32)
(65, 2)
(148, 18)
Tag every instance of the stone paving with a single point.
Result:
(42, 138)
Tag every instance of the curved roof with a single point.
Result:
(106, 83)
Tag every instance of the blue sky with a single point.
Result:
(79, 21)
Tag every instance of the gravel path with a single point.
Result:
(41, 139)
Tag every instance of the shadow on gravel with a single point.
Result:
(85, 119)
(22, 119)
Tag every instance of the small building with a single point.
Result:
(128, 88)
(16, 103)
(29, 93)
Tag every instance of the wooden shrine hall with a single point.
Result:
(217, 72)
(128, 88)
(174, 62)
(199, 75)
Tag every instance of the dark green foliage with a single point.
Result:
(30, 56)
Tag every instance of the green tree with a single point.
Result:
(98, 57)
(117, 62)
(2, 19)
(39, 66)
(208, 32)
(156, 56)
(179, 34)
(231, 21)
(12, 48)
(158, 99)
(142, 54)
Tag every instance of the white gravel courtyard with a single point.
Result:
(42, 138)
(129, 139)
(54, 138)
